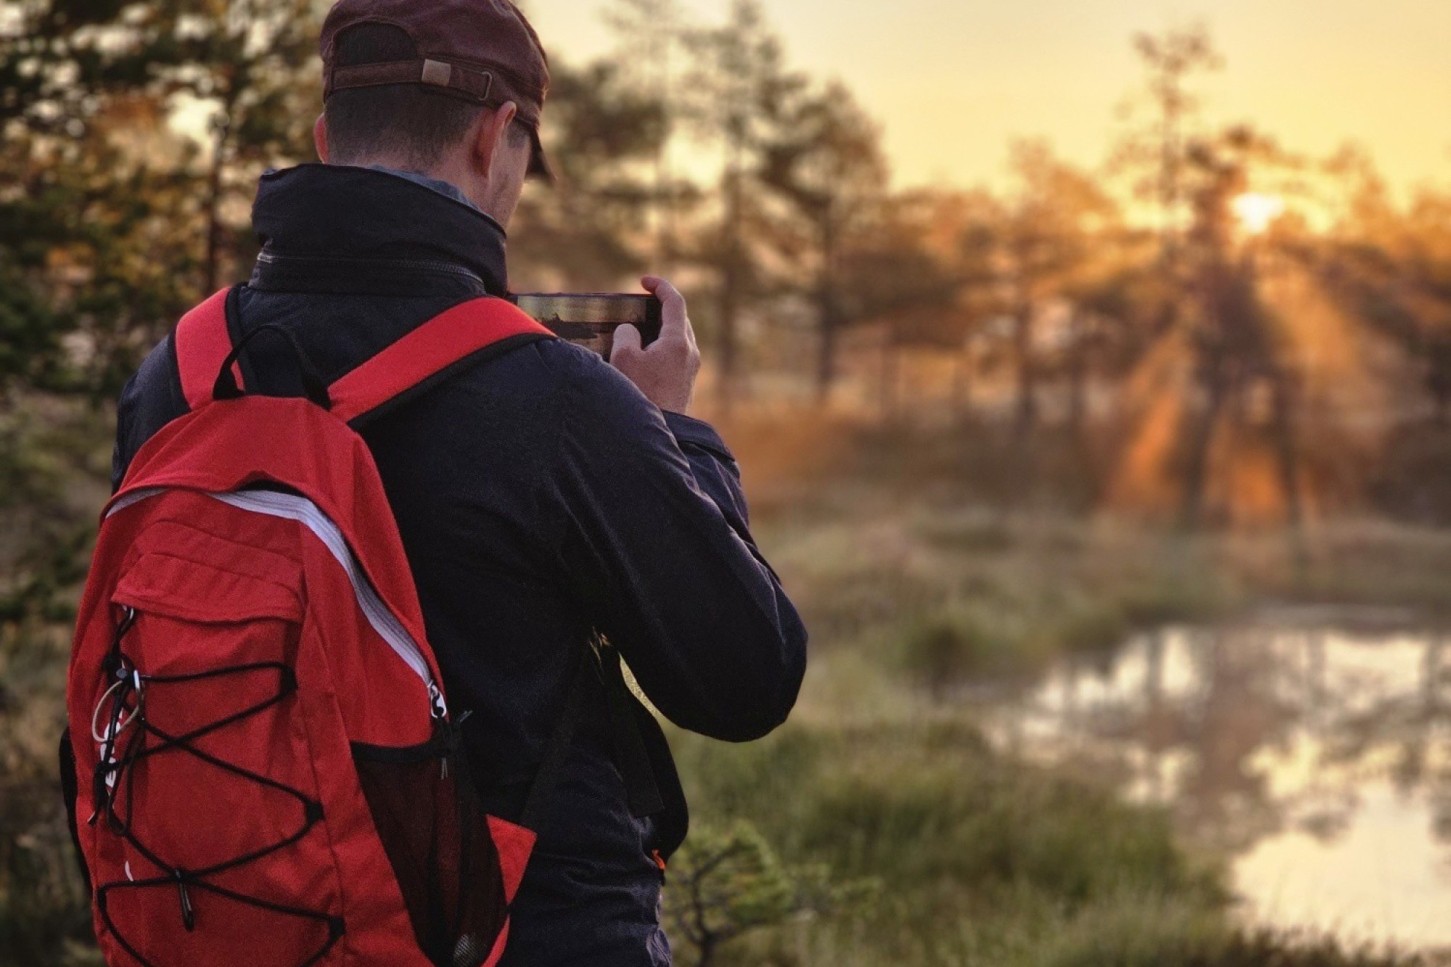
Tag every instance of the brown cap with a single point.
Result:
(482, 51)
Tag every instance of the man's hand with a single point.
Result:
(665, 370)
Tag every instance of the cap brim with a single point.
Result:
(538, 163)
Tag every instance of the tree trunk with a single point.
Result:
(1027, 376)
(890, 377)
(1431, 674)
(1078, 377)
(1196, 471)
(825, 360)
(730, 283)
(213, 269)
(959, 401)
(1283, 391)
(827, 315)
(1077, 392)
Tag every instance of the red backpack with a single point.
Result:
(266, 765)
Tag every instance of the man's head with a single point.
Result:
(451, 88)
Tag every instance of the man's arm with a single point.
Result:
(151, 398)
(656, 543)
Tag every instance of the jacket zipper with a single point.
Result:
(427, 265)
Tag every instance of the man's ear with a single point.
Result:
(319, 137)
(492, 132)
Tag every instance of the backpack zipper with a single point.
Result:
(384, 622)
(300, 509)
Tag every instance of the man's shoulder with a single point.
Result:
(568, 373)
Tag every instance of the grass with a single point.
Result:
(916, 585)
(977, 859)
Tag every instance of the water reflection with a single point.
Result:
(1313, 747)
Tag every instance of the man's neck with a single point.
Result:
(449, 170)
(427, 180)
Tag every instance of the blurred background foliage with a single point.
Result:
(982, 430)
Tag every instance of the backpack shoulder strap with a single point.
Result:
(456, 337)
(202, 343)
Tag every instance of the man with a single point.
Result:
(543, 495)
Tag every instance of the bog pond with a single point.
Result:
(1311, 747)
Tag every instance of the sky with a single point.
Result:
(954, 82)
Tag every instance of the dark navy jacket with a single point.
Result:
(540, 497)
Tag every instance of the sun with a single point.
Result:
(1256, 212)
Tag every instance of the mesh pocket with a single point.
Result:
(438, 841)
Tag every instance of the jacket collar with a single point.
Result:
(338, 212)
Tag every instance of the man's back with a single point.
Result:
(540, 498)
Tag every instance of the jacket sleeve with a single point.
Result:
(655, 543)
(151, 398)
